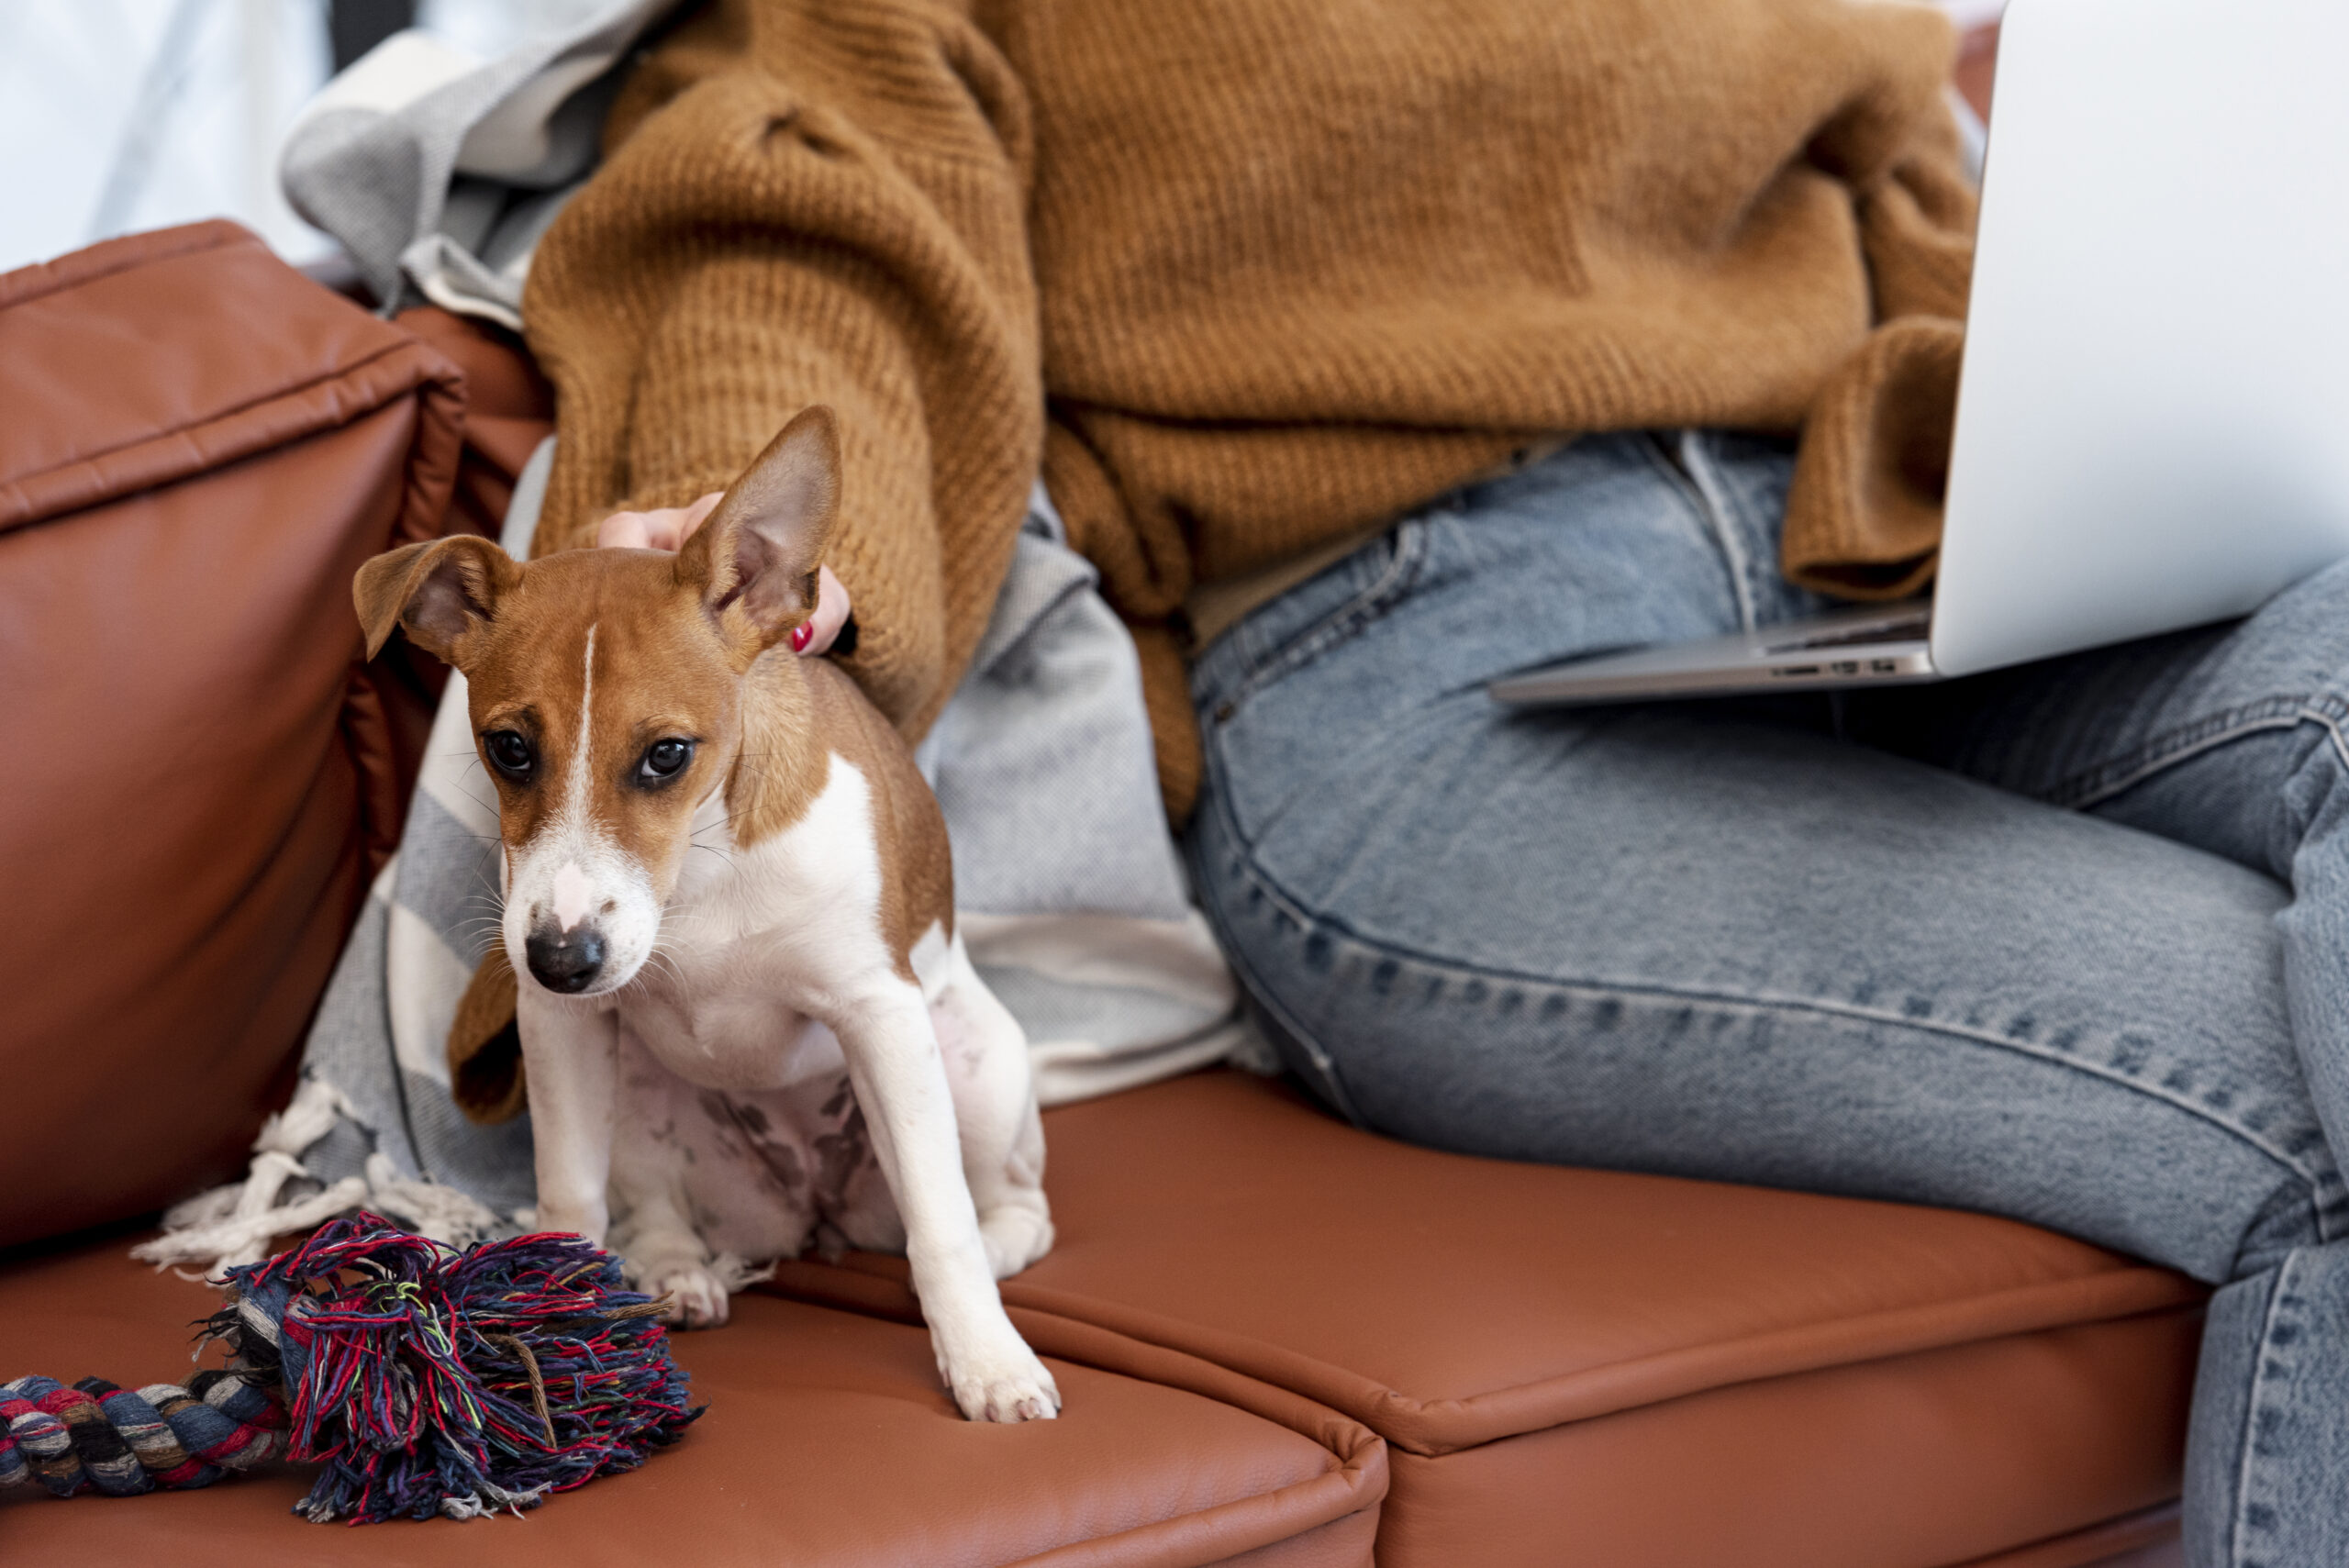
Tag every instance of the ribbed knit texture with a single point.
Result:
(1297, 265)
(811, 201)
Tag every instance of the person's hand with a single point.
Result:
(672, 525)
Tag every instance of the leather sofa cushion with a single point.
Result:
(828, 1441)
(1665, 1371)
(198, 446)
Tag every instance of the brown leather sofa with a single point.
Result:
(1282, 1341)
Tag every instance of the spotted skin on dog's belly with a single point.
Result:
(759, 1174)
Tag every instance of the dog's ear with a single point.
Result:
(486, 1077)
(754, 562)
(440, 591)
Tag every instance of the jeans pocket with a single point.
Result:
(1360, 590)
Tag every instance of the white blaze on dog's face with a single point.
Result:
(605, 690)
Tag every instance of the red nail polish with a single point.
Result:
(801, 636)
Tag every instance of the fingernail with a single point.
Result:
(801, 636)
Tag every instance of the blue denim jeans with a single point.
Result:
(2068, 943)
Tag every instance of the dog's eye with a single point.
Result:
(665, 759)
(509, 753)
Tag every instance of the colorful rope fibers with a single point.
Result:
(94, 1436)
(427, 1381)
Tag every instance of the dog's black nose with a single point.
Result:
(569, 962)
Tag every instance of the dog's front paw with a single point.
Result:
(1007, 1387)
(697, 1295)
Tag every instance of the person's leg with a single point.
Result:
(2229, 739)
(1673, 940)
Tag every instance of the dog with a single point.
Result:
(746, 1016)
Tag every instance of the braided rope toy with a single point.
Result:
(427, 1380)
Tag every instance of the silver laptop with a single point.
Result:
(2152, 415)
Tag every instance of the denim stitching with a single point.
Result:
(2237, 1524)
(2316, 1181)
(1325, 1064)
(1721, 514)
(2108, 779)
(1685, 483)
(1394, 579)
(1235, 953)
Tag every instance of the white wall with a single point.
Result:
(123, 115)
(120, 115)
(1973, 12)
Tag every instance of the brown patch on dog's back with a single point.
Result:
(795, 715)
(917, 861)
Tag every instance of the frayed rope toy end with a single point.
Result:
(427, 1380)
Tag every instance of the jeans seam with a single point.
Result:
(1703, 508)
(2236, 1526)
(2087, 790)
(1235, 955)
(1721, 514)
(1393, 581)
(2311, 1180)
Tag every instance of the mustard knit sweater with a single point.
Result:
(1247, 275)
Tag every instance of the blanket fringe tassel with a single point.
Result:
(232, 1226)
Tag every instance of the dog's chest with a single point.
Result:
(756, 938)
(731, 1032)
(734, 1015)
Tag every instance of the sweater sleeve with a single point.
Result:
(806, 202)
(1864, 516)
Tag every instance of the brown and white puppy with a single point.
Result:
(688, 1020)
